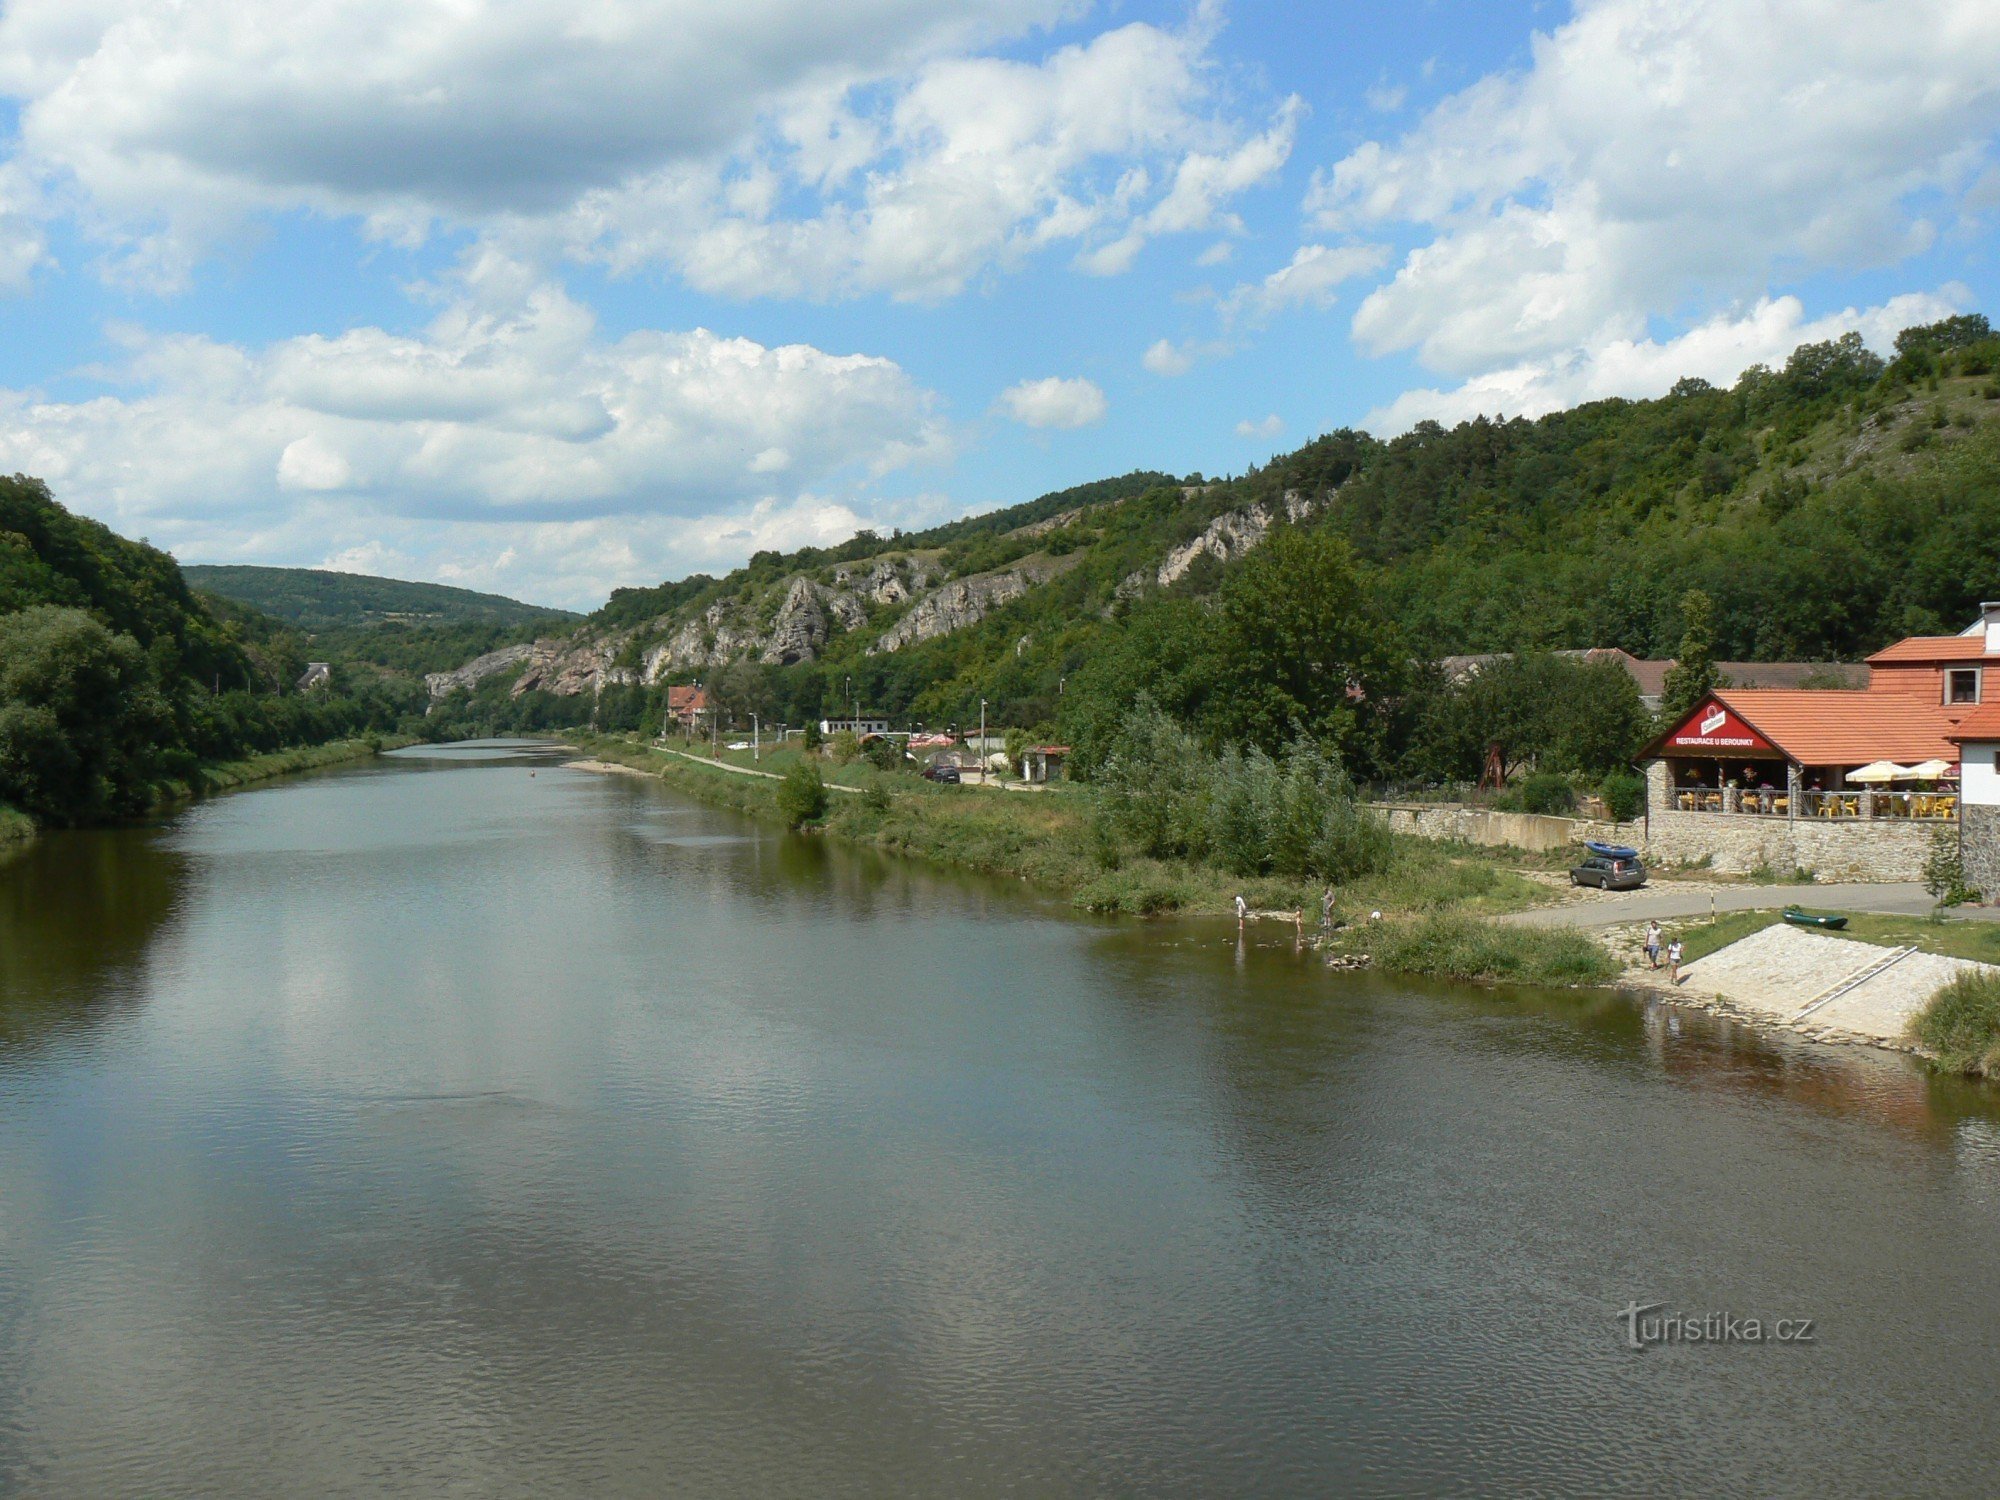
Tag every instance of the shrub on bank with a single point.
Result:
(1961, 1024)
(1459, 947)
(802, 796)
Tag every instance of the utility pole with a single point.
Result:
(982, 742)
(756, 739)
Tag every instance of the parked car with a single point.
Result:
(1611, 872)
(942, 775)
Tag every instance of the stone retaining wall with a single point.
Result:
(1454, 823)
(1979, 846)
(1736, 843)
(1729, 843)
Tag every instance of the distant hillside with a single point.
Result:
(316, 599)
(118, 681)
(1825, 508)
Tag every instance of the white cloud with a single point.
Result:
(1269, 427)
(508, 423)
(1653, 154)
(1217, 254)
(776, 147)
(1308, 281)
(1717, 350)
(1166, 358)
(1385, 98)
(1055, 402)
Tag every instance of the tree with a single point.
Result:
(1307, 651)
(80, 716)
(802, 796)
(1693, 676)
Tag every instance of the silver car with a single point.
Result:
(1610, 873)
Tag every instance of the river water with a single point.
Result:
(462, 1124)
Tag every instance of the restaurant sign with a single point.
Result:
(1714, 728)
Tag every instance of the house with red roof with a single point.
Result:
(1852, 784)
(1977, 736)
(687, 708)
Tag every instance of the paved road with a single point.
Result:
(1679, 901)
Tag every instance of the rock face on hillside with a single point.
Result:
(887, 580)
(1232, 534)
(801, 626)
(478, 669)
(966, 601)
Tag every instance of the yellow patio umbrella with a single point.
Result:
(1881, 771)
(1929, 770)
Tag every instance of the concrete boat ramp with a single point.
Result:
(1832, 987)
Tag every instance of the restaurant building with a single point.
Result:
(1849, 785)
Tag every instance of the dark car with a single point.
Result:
(943, 775)
(1609, 872)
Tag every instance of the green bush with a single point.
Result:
(1961, 1024)
(1247, 814)
(1624, 796)
(883, 753)
(802, 796)
(1548, 793)
(1458, 947)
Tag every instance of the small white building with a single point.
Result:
(860, 728)
(1978, 737)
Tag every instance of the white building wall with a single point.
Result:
(1979, 781)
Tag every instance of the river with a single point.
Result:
(460, 1123)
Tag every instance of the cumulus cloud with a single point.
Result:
(1717, 350)
(509, 422)
(1055, 402)
(779, 147)
(1307, 282)
(1269, 427)
(1166, 358)
(1652, 154)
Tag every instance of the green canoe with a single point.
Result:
(1806, 919)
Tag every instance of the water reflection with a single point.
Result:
(483, 1125)
(77, 913)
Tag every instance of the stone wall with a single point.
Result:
(1737, 843)
(1979, 847)
(1728, 843)
(1453, 823)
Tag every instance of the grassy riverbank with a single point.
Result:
(1433, 897)
(15, 824)
(1953, 938)
(229, 775)
(226, 776)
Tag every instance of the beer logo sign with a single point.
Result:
(1714, 721)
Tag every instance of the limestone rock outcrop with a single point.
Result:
(966, 601)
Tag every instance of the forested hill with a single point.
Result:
(1825, 508)
(319, 599)
(118, 682)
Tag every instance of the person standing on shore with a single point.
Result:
(1674, 962)
(1326, 910)
(1242, 910)
(1653, 944)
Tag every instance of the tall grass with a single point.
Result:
(1244, 813)
(1456, 946)
(1960, 1026)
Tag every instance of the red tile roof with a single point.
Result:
(1980, 724)
(1932, 648)
(1844, 728)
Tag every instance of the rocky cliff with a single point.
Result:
(966, 601)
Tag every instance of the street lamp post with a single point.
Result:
(982, 742)
(756, 739)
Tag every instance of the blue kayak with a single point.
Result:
(1610, 851)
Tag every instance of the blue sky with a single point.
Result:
(549, 298)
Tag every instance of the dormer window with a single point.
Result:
(1961, 685)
